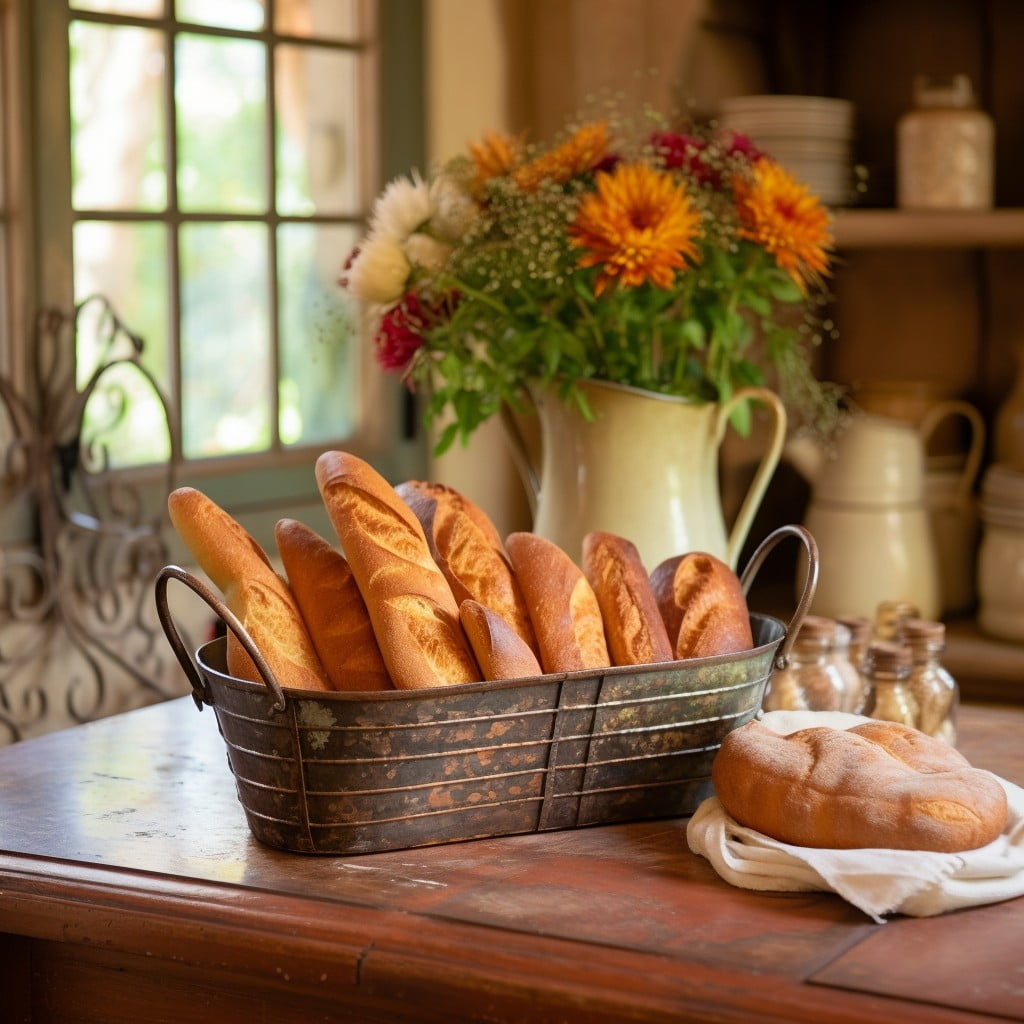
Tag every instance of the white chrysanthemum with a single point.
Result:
(402, 208)
(380, 272)
(426, 252)
(454, 209)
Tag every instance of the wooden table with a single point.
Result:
(132, 891)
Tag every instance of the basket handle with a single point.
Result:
(200, 694)
(810, 582)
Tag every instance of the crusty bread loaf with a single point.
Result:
(500, 651)
(633, 625)
(702, 605)
(563, 607)
(332, 607)
(420, 494)
(252, 590)
(414, 614)
(880, 784)
(469, 552)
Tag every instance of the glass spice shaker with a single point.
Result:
(890, 615)
(853, 685)
(862, 631)
(811, 681)
(888, 668)
(934, 688)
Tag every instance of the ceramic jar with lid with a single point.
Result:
(1001, 554)
(944, 149)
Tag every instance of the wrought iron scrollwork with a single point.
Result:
(76, 600)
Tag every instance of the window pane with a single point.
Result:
(317, 361)
(126, 264)
(225, 339)
(146, 8)
(118, 134)
(325, 19)
(243, 14)
(221, 96)
(318, 134)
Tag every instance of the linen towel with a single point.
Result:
(918, 883)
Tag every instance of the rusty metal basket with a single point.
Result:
(358, 773)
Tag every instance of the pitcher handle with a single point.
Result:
(200, 693)
(764, 549)
(955, 407)
(769, 461)
(520, 452)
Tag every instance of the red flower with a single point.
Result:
(401, 332)
(696, 156)
(742, 146)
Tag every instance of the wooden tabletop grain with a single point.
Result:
(132, 890)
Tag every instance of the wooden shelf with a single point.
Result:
(986, 669)
(895, 229)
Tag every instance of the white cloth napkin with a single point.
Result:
(879, 882)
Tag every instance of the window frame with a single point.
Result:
(261, 487)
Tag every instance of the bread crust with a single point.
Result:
(500, 651)
(415, 615)
(252, 589)
(469, 552)
(562, 605)
(332, 607)
(633, 625)
(703, 606)
(880, 784)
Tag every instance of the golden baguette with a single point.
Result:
(632, 622)
(469, 552)
(703, 606)
(252, 590)
(563, 608)
(332, 607)
(414, 613)
(500, 651)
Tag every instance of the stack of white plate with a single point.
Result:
(811, 136)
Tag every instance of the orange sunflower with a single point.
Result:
(786, 219)
(638, 226)
(577, 155)
(493, 156)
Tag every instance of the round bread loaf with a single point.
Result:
(879, 784)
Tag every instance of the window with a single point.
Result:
(220, 158)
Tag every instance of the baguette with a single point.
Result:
(469, 552)
(414, 613)
(880, 784)
(563, 607)
(252, 590)
(500, 651)
(703, 606)
(332, 607)
(632, 621)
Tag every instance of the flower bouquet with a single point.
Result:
(688, 264)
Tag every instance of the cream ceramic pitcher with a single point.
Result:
(645, 468)
(868, 515)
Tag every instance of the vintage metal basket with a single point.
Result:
(357, 773)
